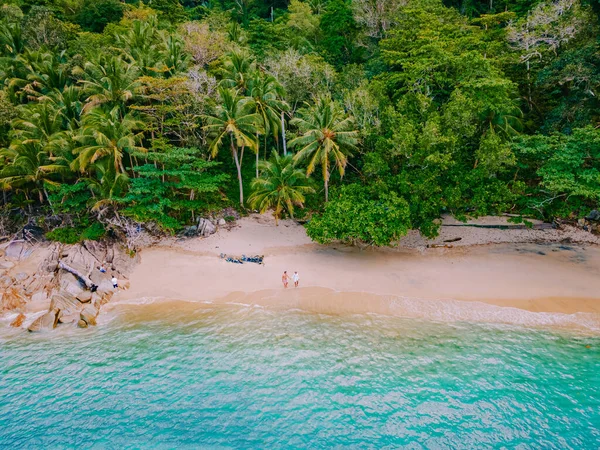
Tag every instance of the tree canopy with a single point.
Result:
(380, 115)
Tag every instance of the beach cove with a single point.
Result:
(506, 282)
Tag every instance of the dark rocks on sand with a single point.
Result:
(593, 216)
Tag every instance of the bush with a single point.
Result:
(73, 235)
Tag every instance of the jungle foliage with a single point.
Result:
(377, 116)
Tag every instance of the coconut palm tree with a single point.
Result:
(108, 81)
(238, 68)
(234, 122)
(106, 136)
(281, 185)
(327, 136)
(267, 93)
(29, 169)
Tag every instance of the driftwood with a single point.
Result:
(453, 240)
(88, 283)
(540, 226)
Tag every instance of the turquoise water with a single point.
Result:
(236, 377)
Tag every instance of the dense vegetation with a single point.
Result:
(390, 112)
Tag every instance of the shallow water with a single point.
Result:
(241, 377)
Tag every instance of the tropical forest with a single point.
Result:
(362, 119)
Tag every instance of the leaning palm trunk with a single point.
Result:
(239, 171)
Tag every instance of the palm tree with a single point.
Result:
(142, 45)
(328, 134)
(105, 136)
(281, 185)
(30, 168)
(267, 92)
(237, 70)
(108, 81)
(234, 121)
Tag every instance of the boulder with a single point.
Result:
(104, 287)
(82, 323)
(71, 284)
(5, 265)
(17, 249)
(593, 216)
(21, 276)
(222, 222)
(190, 231)
(12, 299)
(89, 313)
(85, 297)
(206, 227)
(6, 281)
(68, 318)
(18, 321)
(66, 302)
(45, 322)
(38, 302)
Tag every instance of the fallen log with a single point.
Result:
(537, 226)
(88, 283)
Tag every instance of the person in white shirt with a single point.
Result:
(115, 282)
(296, 279)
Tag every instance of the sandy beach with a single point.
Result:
(410, 280)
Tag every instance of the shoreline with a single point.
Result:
(497, 270)
(527, 277)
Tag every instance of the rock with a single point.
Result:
(6, 281)
(206, 227)
(71, 284)
(190, 231)
(82, 323)
(17, 249)
(11, 300)
(581, 223)
(85, 297)
(18, 321)
(5, 265)
(69, 318)
(89, 314)
(66, 302)
(104, 287)
(46, 322)
(222, 222)
(49, 266)
(21, 276)
(593, 216)
(39, 302)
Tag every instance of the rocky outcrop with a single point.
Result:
(67, 284)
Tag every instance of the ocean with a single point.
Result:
(233, 376)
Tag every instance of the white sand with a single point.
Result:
(565, 280)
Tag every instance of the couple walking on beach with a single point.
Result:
(285, 279)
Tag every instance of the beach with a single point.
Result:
(488, 280)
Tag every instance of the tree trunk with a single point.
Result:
(82, 277)
(257, 153)
(283, 134)
(326, 189)
(49, 202)
(239, 172)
